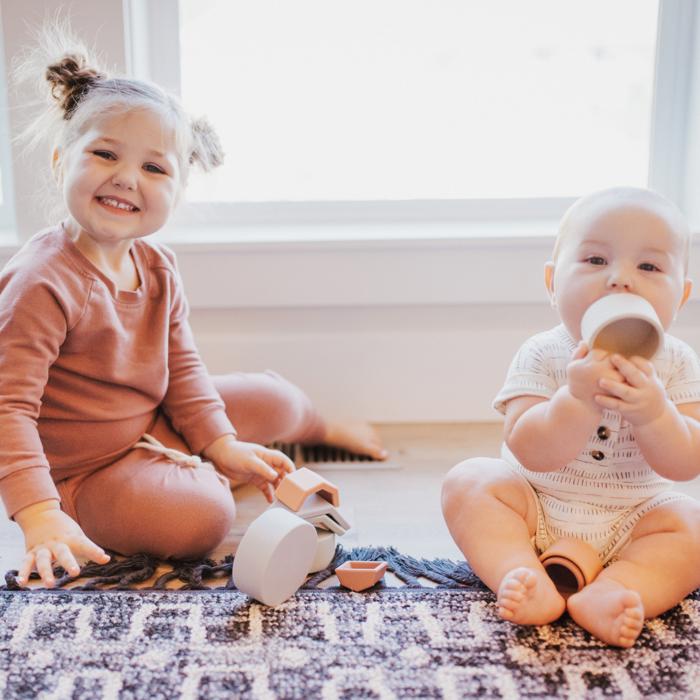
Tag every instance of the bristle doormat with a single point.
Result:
(407, 642)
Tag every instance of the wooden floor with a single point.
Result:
(398, 507)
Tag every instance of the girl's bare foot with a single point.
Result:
(528, 597)
(359, 438)
(609, 611)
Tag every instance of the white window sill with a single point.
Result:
(388, 264)
(358, 265)
(361, 264)
(359, 235)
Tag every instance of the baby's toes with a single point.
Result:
(511, 596)
(631, 619)
(522, 578)
(513, 591)
(513, 584)
(633, 609)
(627, 637)
(632, 624)
(507, 607)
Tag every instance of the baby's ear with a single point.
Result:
(687, 289)
(549, 278)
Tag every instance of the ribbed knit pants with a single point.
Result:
(145, 502)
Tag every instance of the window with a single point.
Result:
(414, 110)
(323, 100)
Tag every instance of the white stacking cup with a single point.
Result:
(622, 323)
(274, 556)
(325, 550)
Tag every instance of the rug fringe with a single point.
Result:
(123, 573)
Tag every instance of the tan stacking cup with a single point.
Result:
(622, 323)
(571, 564)
(358, 575)
(296, 487)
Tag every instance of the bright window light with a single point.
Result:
(330, 100)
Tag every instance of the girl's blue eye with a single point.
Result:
(649, 267)
(153, 168)
(107, 155)
(595, 260)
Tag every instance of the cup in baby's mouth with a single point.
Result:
(623, 323)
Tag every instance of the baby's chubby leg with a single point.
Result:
(492, 516)
(654, 572)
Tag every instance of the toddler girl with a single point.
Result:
(104, 399)
(593, 441)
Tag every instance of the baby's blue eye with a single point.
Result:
(649, 267)
(595, 260)
(106, 155)
(153, 168)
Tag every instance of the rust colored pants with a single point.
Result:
(144, 502)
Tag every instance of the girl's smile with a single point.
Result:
(117, 205)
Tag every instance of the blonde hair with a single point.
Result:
(618, 197)
(75, 91)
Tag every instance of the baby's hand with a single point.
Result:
(50, 535)
(586, 371)
(246, 462)
(639, 397)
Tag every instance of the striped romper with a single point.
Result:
(599, 496)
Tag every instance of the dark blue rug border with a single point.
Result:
(126, 573)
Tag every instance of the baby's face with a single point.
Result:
(609, 250)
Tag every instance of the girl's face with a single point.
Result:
(628, 249)
(121, 178)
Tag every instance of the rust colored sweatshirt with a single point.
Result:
(85, 367)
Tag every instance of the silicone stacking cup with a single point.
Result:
(358, 575)
(571, 564)
(274, 556)
(622, 323)
(325, 550)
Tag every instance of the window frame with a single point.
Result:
(155, 24)
(7, 213)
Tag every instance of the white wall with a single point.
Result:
(431, 363)
(103, 28)
(412, 331)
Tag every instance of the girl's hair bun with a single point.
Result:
(207, 151)
(70, 79)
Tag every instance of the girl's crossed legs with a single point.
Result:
(492, 516)
(144, 502)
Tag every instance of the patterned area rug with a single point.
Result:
(407, 642)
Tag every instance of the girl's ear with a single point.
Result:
(549, 281)
(56, 163)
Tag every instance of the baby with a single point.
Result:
(593, 440)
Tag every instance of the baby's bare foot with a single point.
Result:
(359, 438)
(528, 597)
(609, 611)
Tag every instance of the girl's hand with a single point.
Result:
(52, 536)
(640, 397)
(247, 462)
(586, 371)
